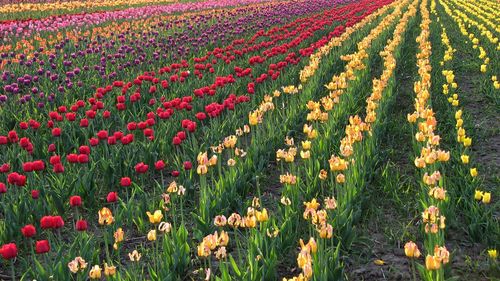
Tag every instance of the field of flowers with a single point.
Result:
(249, 140)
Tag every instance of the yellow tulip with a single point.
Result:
(152, 235)
(262, 216)
(486, 197)
(109, 270)
(323, 174)
(340, 178)
(478, 195)
(411, 250)
(95, 272)
(134, 256)
(105, 216)
(467, 142)
(432, 263)
(493, 254)
(473, 172)
(156, 217)
(306, 145)
(465, 159)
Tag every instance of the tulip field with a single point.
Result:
(249, 140)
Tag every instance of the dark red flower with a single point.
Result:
(175, 173)
(159, 165)
(3, 188)
(84, 123)
(201, 116)
(42, 247)
(47, 222)
(188, 165)
(12, 135)
(75, 201)
(23, 125)
(8, 251)
(94, 141)
(102, 135)
(5, 168)
(38, 165)
(181, 135)
(111, 140)
(141, 168)
(51, 148)
(81, 225)
(56, 132)
(28, 230)
(58, 168)
(27, 167)
(176, 141)
(35, 194)
(112, 197)
(72, 158)
(125, 181)
(58, 222)
(131, 126)
(84, 149)
(55, 159)
(83, 158)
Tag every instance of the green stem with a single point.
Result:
(12, 270)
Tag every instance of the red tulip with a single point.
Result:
(131, 126)
(38, 165)
(181, 135)
(72, 158)
(159, 165)
(83, 158)
(81, 225)
(201, 116)
(112, 197)
(8, 251)
(47, 222)
(3, 188)
(5, 168)
(118, 135)
(55, 159)
(94, 141)
(56, 132)
(111, 140)
(84, 149)
(125, 181)
(175, 173)
(27, 167)
(51, 148)
(42, 247)
(28, 231)
(141, 168)
(35, 194)
(75, 201)
(188, 165)
(16, 179)
(58, 168)
(84, 123)
(176, 141)
(58, 221)
(102, 135)
(12, 135)
(23, 125)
